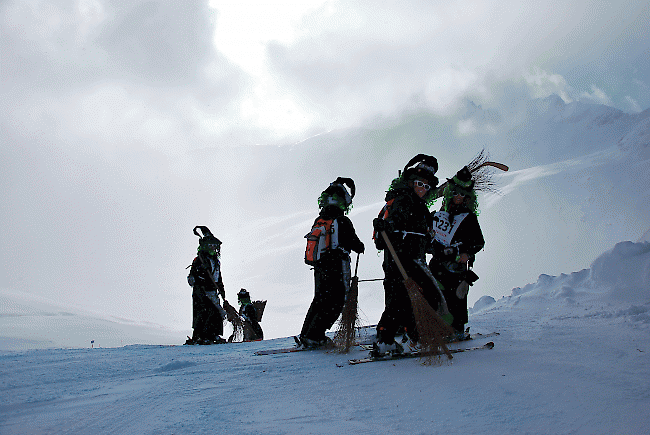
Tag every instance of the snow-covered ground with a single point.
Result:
(573, 356)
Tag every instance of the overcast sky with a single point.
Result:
(124, 124)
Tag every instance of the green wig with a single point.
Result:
(327, 198)
(402, 182)
(470, 201)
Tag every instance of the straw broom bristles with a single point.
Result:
(431, 328)
(237, 325)
(349, 321)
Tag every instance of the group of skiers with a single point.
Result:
(451, 235)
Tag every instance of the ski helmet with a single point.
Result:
(208, 243)
(337, 194)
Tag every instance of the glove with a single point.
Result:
(381, 225)
(462, 290)
(469, 276)
(449, 251)
(190, 280)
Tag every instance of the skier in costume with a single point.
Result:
(407, 222)
(248, 313)
(457, 237)
(332, 271)
(205, 279)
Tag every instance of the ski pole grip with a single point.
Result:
(394, 254)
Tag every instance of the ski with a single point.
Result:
(296, 348)
(283, 350)
(367, 345)
(488, 345)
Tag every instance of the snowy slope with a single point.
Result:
(30, 322)
(573, 356)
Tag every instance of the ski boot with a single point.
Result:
(381, 349)
(459, 336)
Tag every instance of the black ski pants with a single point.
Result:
(206, 319)
(398, 312)
(457, 307)
(331, 284)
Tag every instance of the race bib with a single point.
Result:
(443, 229)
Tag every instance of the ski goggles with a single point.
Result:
(419, 183)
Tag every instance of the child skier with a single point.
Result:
(407, 222)
(457, 237)
(333, 237)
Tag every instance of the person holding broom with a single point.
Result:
(328, 250)
(406, 222)
(457, 237)
(208, 313)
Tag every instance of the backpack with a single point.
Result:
(324, 236)
(383, 214)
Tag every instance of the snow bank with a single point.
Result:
(624, 271)
(483, 302)
(618, 283)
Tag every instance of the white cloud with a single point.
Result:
(632, 104)
(542, 84)
(447, 88)
(596, 95)
(245, 28)
(466, 127)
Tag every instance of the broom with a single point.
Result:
(349, 321)
(431, 328)
(479, 168)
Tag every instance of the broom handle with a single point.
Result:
(394, 254)
(356, 267)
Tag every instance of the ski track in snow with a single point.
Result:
(570, 358)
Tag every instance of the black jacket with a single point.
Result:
(248, 310)
(200, 274)
(409, 224)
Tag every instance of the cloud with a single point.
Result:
(632, 104)
(252, 72)
(542, 84)
(596, 95)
